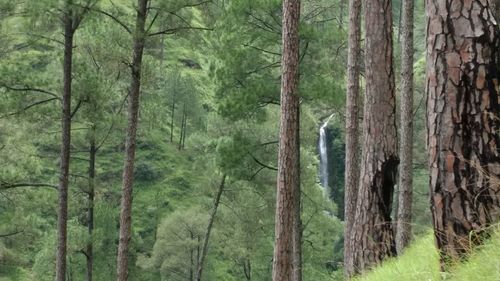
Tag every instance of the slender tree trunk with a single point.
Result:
(403, 231)
(62, 212)
(372, 233)
(182, 126)
(90, 212)
(204, 248)
(287, 241)
(247, 269)
(352, 128)
(172, 118)
(191, 258)
(463, 122)
(184, 132)
(128, 170)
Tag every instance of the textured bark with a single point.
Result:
(204, 249)
(372, 233)
(287, 235)
(462, 122)
(403, 229)
(128, 170)
(62, 211)
(89, 253)
(352, 128)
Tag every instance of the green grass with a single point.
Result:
(421, 262)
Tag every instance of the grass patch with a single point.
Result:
(421, 262)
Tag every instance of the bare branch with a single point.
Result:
(4, 185)
(29, 106)
(262, 50)
(11, 233)
(262, 164)
(28, 89)
(177, 29)
(76, 109)
(122, 24)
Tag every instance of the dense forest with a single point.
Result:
(280, 140)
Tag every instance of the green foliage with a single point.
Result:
(225, 84)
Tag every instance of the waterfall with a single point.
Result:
(323, 154)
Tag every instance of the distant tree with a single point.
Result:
(372, 232)
(463, 122)
(287, 249)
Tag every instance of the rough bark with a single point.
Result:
(403, 228)
(89, 253)
(128, 170)
(204, 248)
(62, 211)
(462, 123)
(287, 233)
(372, 232)
(352, 128)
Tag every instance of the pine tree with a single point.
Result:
(463, 121)
(372, 232)
(287, 254)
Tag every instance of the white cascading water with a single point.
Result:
(323, 154)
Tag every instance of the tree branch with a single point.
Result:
(28, 89)
(175, 30)
(4, 185)
(11, 234)
(262, 164)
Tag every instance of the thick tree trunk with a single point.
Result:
(62, 212)
(372, 232)
(352, 128)
(403, 230)
(287, 242)
(204, 248)
(128, 170)
(90, 211)
(463, 121)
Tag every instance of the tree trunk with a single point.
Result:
(90, 212)
(128, 170)
(287, 241)
(403, 229)
(182, 126)
(352, 128)
(247, 269)
(204, 249)
(372, 233)
(172, 119)
(463, 121)
(62, 212)
(184, 132)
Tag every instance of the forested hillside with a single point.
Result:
(244, 139)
